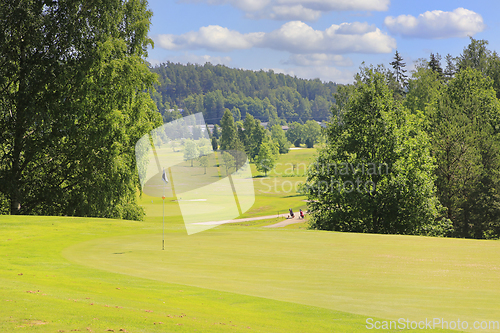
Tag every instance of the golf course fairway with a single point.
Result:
(374, 275)
(78, 274)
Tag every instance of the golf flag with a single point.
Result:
(164, 177)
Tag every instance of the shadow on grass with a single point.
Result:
(294, 195)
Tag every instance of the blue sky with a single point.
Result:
(326, 39)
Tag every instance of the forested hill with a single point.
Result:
(266, 95)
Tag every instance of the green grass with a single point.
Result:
(45, 287)
(273, 194)
(78, 274)
(107, 274)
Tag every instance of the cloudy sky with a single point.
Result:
(326, 39)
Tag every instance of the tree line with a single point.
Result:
(267, 96)
(437, 131)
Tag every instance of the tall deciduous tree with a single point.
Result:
(376, 173)
(279, 137)
(204, 162)
(266, 159)
(73, 102)
(424, 91)
(477, 56)
(258, 135)
(248, 127)
(236, 114)
(295, 133)
(311, 133)
(191, 151)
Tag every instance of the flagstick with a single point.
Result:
(165, 179)
(163, 232)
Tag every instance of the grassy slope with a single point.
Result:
(42, 291)
(105, 274)
(275, 193)
(374, 275)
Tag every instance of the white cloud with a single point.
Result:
(295, 37)
(324, 73)
(341, 5)
(304, 10)
(250, 5)
(245, 5)
(356, 28)
(437, 24)
(298, 37)
(286, 13)
(212, 37)
(318, 59)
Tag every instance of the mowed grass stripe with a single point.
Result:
(373, 275)
(42, 291)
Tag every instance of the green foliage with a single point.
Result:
(376, 173)
(231, 144)
(74, 101)
(399, 70)
(169, 115)
(435, 64)
(295, 133)
(465, 134)
(197, 133)
(461, 115)
(389, 78)
(204, 162)
(266, 159)
(278, 136)
(451, 67)
(424, 92)
(477, 56)
(311, 133)
(265, 95)
(236, 114)
(248, 128)
(228, 162)
(309, 143)
(229, 137)
(259, 133)
(191, 151)
(204, 146)
(215, 145)
(216, 133)
(341, 101)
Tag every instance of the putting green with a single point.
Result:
(382, 276)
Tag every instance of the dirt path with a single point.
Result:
(239, 220)
(285, 223)
(275, 225)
